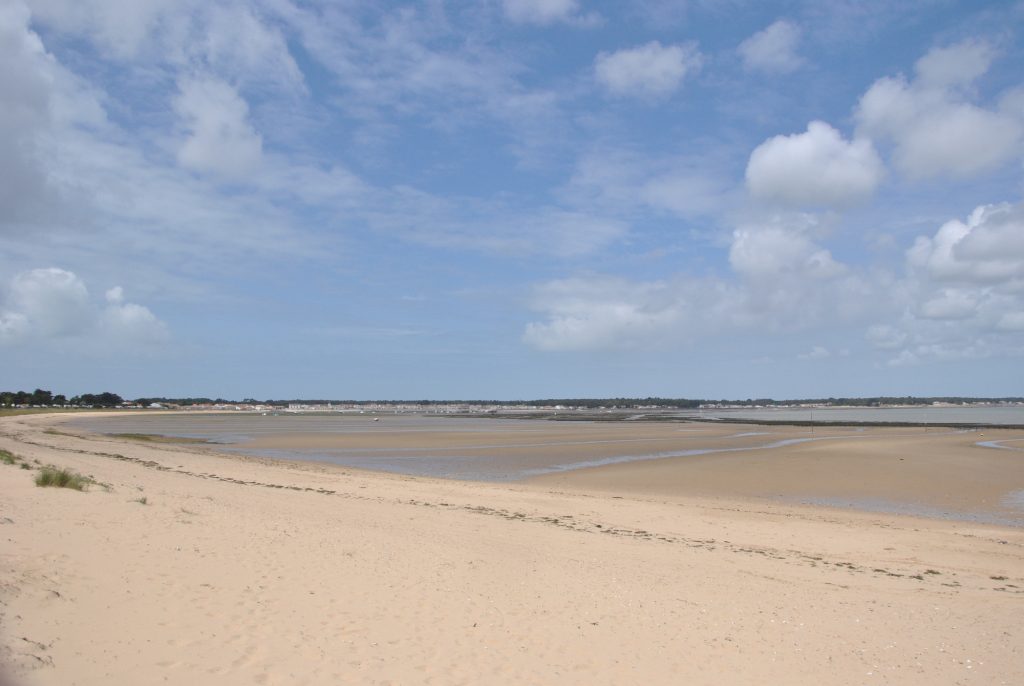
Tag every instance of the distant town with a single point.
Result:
(40, 398)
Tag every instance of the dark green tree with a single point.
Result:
(41, 397)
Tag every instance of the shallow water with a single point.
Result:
(490, 460)
(484, 461)
(482, 466)
(1008, 444)
(1014, 499)
(233, 428)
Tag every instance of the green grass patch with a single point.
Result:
(7, 457)
(13, 411)
(62, 478)
(142, 501)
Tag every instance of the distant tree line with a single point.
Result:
(43, 398)
(592, 403)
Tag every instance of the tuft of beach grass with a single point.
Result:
(62, 478)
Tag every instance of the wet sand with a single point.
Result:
(930, 471)
(487, 450)
(241, 570)
(933, 472)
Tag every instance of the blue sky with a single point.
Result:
(512, 199)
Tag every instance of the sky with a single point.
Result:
(512, 199)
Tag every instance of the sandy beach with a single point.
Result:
(184, 565)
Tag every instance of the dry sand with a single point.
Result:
(249, 571)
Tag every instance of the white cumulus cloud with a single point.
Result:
(988, 248)
(817, 168)
(44, 306)
(955, 65)
(934, 127)
(131, 322)
(651, 70)
(48, 303)
(962, 295)
(773, 251)
(773, 49)
(220, 137)
(950, 303)
(781, 281)
(959, 296)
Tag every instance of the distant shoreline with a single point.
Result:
(632, 417)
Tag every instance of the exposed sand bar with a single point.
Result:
(936, 472)
(889, 467)
(242, 571)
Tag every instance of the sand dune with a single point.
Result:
(242, 571)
